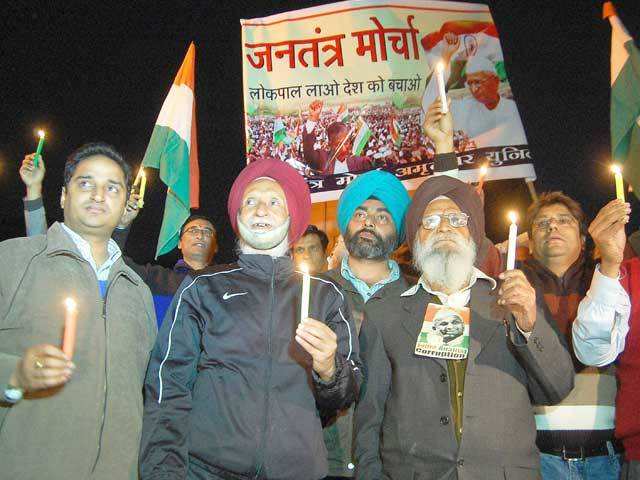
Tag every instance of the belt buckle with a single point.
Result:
(572, 459)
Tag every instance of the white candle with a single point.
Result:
(143, 186)
(440, 79)
(483, 173)
(70, 327)
(306, 287)
(513, 240)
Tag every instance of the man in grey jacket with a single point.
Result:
(430, 410)
(80, 417)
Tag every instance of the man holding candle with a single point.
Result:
(370, 216)
(438, 415)
(80, 417)
(236, 377)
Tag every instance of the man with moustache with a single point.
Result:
(370, 216)
(236, 377)
(61, 419)
(198, 240)
(424, 417)
(311, 250)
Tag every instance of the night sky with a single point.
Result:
(89, 71)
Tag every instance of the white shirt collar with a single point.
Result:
(84, 247)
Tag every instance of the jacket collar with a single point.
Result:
(59, 243)
(265, 266)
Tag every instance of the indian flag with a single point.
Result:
(396, 136)
(279, 131)
(342, 115)
(625, 99)
(363, 133)
(173, 149)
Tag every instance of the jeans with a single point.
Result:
(602, 467)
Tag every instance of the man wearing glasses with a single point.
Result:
(576, 437)
(427, 413)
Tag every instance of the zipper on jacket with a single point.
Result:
(104, 403)
(272, 296)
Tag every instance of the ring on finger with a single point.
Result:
(39, 364)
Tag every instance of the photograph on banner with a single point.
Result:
(444, 333)
(339, 89)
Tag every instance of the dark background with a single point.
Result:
(88, 71)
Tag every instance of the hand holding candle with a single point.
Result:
(617, 173)
(441, 86)
(39, 148)
(70, 327)
(513, 241)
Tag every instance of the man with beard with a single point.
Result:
(236, 375)
(371, 219)
(426, 417)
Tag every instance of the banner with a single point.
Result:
(342, 88)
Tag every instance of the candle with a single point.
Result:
(39, 148)
(513, 240)
(143, 186)
(617, 173)
(138, 176)
(306, 287)
(70, 326)
(440, 79)
(483, 173)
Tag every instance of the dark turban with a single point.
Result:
(463, 195)
(295, 189)
(380, 185)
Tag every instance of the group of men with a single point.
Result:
(468, 372)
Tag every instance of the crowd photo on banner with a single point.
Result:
(367, 328)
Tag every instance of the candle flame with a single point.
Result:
(70, 303)
(616, 169)
(143, 175)
(304, 268)
(513, 217)
(483, 170)
(41, 133)
(440, 66)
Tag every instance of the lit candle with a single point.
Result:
(143, 186)
(617, 173)
(306, 287)
(39, 148)
(513, 240)
(440, 79)
(483, 173)
(138, 176)
(70, 326)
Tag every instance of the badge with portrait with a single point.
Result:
(445, 333)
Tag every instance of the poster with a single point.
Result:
(444, 333)
(339, 89)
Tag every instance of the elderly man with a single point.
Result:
(371, 219)
(456, 412)
(58, 419)
(487, 118)
(236, 376)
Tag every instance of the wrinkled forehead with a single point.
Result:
(441, 205)
(554, 210)
(264, 186)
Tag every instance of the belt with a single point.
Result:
(580, 453)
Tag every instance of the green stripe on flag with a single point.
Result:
(625, 117)
(170, 154)
(362, 137)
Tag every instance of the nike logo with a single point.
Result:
(228, 295)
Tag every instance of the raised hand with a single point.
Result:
(607, 231)
(315, 109)
(130, 210)
(438, 126)
(519, 297)
(32, 176)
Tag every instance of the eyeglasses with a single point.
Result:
(545, 223)
(205, 232)
(456, 220)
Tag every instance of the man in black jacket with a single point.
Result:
(236, 377)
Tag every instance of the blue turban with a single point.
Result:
(380, 185)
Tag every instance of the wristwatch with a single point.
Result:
(12, 394)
